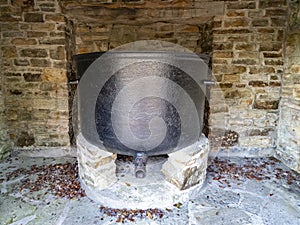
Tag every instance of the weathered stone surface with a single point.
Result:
(245, 39)
(258, 83)
(34, 17)
(187, 167)
(25, 139)
(9, 52)
(289, 135)
(238, 22)
(58, 53)
(266, 104)
(276, 12)
(242, 5)
(54, 75)
(40, 63)
(260, 22)
(32, 77)
(21, 62)
(97, 168)
(5, 146)
(23, 41)
(34, 34)
(40, 53)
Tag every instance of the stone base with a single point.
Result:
(97, 167)
(187, 167)
(112, 183)
(5, 146)
(4, 150)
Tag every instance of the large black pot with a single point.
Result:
(150, 102)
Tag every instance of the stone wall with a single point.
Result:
(248, 64)
(34, 73)
(289, 124)
(246, 39)
(4, 143)
(105, 26)
(102, 26)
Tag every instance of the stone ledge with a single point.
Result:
(45, 152)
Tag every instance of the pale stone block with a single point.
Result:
(54, 75)
(97, 168)
(187, 167)
(256, 141)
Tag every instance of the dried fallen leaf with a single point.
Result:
(149, 215)
(178, 205)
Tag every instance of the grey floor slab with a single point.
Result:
(237, 191)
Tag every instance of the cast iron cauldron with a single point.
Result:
(141, 102)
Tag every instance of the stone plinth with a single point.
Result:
(187, 167)
(97, 168)
(112, 182)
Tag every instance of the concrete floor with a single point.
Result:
(237, 191)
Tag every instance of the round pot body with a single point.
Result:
(150, 102)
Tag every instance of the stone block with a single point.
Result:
(233, 31)
(296, 92)
(34, 17)
(235, 13)
(40, 63)
(25, 139)
(260, 22)
(187, 167)
(34, 34)
(57, 34)
(223, 54)
(265, 69)
(32, 52)
(275, 84)
(245, 61)
(272, 55)
(263, 4)
(32, 77)
(240, 38)
(97, 168)
(278, 22)
(23, 41)
(9, 51)
(21, 62)
(55, 17)
(54, 75)
(273, 62)
(231, 78)
(258, 83)
(48, 7)
(266, 30)
(264, 119)
(241, 5)
(256, 141)
(22, 3)
(237, 22)
(52, 41)
(5, 150)
(276, 12)
(222, 46)
(8, 17)
(59, 64)
(42, 27)
(40, 103)
(270, 46)
(245, 46)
